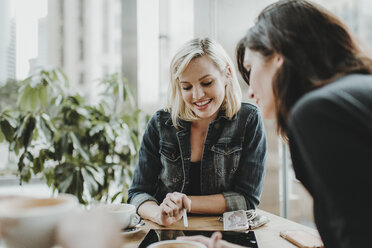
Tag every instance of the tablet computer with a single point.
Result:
(246, 239)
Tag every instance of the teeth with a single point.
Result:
(202, 103)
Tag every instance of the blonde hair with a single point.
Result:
(214, 51)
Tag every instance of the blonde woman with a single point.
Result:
(206, 151)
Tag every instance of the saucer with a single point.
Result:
(131, 230)
(134, 229)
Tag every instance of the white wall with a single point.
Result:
(148, 53)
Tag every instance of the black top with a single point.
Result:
(330, 137)
(194, 179)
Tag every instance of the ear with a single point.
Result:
(278, 60)
(228, 74)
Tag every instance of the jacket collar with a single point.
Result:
(183, 123)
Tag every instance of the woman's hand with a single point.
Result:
(171, 208)
(211, 242)
(215, 241)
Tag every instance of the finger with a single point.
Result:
(182, 200)
(168, 196)
(216, 236)
(171, 204)
(177, 198)
(174, 208)
(186, 202)
(165, 209)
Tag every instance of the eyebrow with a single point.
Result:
(183, 82)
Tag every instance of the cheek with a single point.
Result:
(221, 91)
(185, 96)
(253, 81)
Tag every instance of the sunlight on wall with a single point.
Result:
(27, 14)
(148, 52)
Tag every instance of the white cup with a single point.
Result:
(124, 213)
(177, 244)
(31, 222)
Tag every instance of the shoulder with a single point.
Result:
(345, 95)
(247, 109)
(247, 106)
(248, 112)
(160, 118)
(247, 117)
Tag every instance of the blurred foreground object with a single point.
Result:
(31, 222)
(93, 229)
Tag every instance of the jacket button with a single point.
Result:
(217, 126)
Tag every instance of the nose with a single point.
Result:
(250, 93)
(198, 92)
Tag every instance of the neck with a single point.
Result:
(204, 122)
(201, 124)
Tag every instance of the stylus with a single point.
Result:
(185, 222)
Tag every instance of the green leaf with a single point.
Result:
(29, 156)
(43, 96)
(49, 176)
(28, 131)
(129, 95)
(96, 129)
(77, 186)
(135, 141)
(45, 129)
(34, 99)
(61, 146)
(7, 115)
(38, 165)
(7, 130)
(89, 181)
(98, 174)
(19, 131)
(109, 132)
(22, 101)
(115, 196)
(21, 164)
(79, 147)
(25, 175)
(2, 137)
(66, 183)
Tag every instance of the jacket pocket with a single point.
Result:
(172, 172)
(169, 151)
(226, 161)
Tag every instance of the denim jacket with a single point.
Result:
(233, 161)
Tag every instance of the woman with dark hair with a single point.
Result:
(305, 70)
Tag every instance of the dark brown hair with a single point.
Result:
(315, 45)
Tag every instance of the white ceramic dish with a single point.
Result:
(132, 230)
(177, 243)
(135, 229)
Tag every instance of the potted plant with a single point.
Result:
(76, 147)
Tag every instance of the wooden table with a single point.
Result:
(267, 235)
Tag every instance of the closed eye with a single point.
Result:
(186, 87)
(189, 87)
(207, 84)
(246, 75)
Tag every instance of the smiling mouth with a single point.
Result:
(203, 103)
